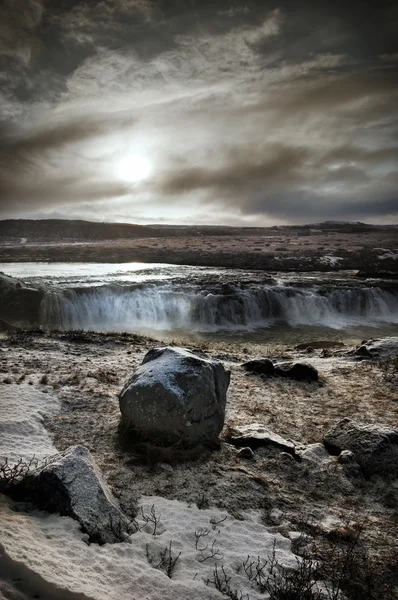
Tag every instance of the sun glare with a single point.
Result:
(134, 168)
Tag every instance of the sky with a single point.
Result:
(249, 113)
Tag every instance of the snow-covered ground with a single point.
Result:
(388, 255)
(48, 556)
(22, 433)
(330, 260)
(51, 555)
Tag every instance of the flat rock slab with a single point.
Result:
(375, 448)
(256, 435)
(175, 397)
(71, 484)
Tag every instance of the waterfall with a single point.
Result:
(175, 306)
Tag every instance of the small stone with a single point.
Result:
(363, 352)
(346, 457)
(298, 371)
(256, 435)
(375, 447)
(246, 453)
(260, 366)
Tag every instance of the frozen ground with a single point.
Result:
(22, 433)
(265, 500)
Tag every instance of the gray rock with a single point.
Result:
(375, 447)
(319, 344)
(256, 435)
(246, 453)
(377, 349)
(363, 352)
(350, 466)
(175, 396)
(314, 453)
(71, 484)
(346, 457)
(20, 304)
(260, 366)
(383, 348)
(298, 371)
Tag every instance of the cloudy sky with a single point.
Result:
(199, 111)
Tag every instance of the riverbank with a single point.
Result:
(306, 250)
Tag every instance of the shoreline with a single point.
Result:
(367, 252)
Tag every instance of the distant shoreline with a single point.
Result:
(371, 253)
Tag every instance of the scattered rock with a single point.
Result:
(319, 345)
(71, 484)
(287, 458)
(260, 366)
(256, 435)
(375, 448)
(315, 453)
(246, 453)
(363, 352)
(298, 371)
(377, 349)
(174, 397)
(350, 466)
(383, 348)
(346, 457)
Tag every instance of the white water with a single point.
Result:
(144, 298)
(177, 307)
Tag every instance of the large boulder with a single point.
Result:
(375, 448)
(175, 396)
(71, 484)
(298, 371)
(20, 303)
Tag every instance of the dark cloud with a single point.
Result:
(285, 111)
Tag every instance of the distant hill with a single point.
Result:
(56, 230)
(62, 229)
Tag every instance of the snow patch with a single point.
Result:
(22, 433)
(330, 260)
(389, 255)
(51, 549)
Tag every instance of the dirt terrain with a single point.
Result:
(87, 371)
(370, 250)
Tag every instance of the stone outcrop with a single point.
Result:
(71, 484)
(375, 448)
(20, 303)
(175, 397)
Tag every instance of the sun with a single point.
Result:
(134, 168)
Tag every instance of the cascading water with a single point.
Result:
(179, 307)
